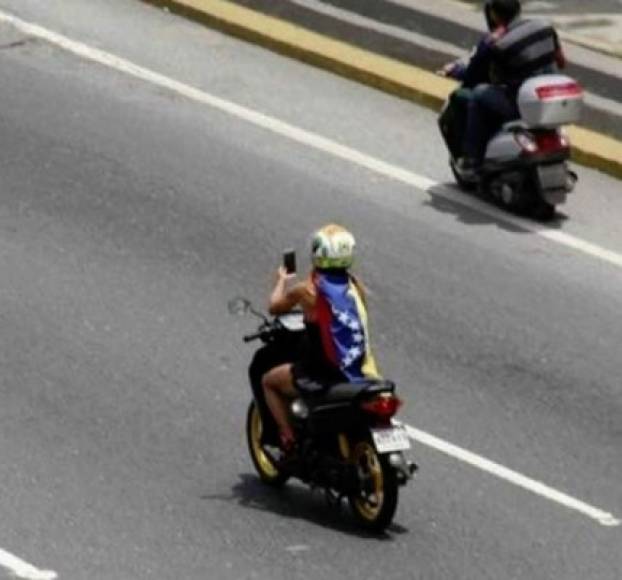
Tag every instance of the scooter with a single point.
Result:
(348, 444)
(525, 168)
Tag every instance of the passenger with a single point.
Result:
(336, 345)
(514, 50)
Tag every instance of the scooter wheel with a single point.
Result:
(544, 212)
(264, 464)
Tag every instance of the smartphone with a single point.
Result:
(289, 261)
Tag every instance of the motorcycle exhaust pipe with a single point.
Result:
(405, 469)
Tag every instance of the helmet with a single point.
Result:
(506, 10)
(332, 248)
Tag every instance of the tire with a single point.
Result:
(374, 511)
(268, 472)
(540, 209)
(544, 212)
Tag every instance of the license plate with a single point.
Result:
(391, 439)
(552, 176)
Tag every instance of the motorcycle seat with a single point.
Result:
(342, 392)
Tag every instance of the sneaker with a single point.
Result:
(288, 442)
(467, 165)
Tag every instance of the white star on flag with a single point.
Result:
(344, 319)
(351, 356)
(355, 352)
(342, 316)
(347, 362)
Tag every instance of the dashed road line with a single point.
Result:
(602, 517)
(22, 569)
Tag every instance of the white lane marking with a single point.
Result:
(371, 163)
(308, 138)
(23, 569)
(602, 517)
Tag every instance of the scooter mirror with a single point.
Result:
(239, 306)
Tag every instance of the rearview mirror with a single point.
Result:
(239, 306)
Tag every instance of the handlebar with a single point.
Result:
(269, 329)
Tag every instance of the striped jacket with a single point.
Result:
(527, 48)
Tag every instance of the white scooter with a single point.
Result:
(525, 166)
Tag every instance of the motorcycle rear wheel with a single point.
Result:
(544, 212)
(268, 472)
(374, 506)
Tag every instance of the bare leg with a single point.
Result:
(279, 388)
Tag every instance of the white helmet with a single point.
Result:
(332, 248)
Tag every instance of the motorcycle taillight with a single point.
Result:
(383, 406)
(542, 142)
(563, 91)
(550, 142)
(526, 142)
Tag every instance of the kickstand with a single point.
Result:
(333, 499)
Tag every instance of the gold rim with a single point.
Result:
(263, 461)
(369, 504)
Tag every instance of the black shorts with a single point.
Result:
(315, 379)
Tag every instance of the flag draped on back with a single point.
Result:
(342, 318)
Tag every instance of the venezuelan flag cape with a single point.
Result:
(342, 318)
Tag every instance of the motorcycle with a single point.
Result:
(525, 167)
(347, 441)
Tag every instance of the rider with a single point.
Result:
(336, 346)
(514, 50)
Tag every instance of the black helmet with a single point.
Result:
(506, 10)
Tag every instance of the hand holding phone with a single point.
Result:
(289, 261)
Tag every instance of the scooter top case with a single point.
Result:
(550, 101)
(546, 103)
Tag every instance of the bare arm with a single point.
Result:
(283, 300)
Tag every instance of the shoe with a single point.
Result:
(467, 165)
(288, 443)
(288, 457)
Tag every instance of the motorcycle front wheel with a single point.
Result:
(375, 502)
(265, 466)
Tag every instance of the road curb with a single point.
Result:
(589, 147)
(592, 44)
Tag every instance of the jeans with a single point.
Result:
(489, 108)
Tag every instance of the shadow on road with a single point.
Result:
(471, 216)
(300, 503)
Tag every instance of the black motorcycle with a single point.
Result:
(347, 442)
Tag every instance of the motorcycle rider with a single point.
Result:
(514, 50)
(336, 344)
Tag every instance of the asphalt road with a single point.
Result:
(129, 215)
